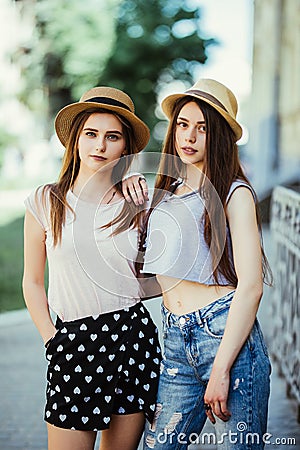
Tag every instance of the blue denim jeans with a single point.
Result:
(190, 345)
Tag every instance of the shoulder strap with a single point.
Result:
(175, 185)
(236, 184)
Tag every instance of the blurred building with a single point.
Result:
(274, 152)
(274, 104)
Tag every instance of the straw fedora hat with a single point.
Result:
(215, 94)
(103, 97)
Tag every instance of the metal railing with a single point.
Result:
(285, 299)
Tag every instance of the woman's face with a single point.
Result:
(190, 135)
(101, 142)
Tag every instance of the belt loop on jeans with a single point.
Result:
(199, 318)
(165, 323)
(168, 315)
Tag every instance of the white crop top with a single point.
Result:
(175, 244)
(90, 272)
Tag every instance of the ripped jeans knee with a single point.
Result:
(158, 436)
(179, 412)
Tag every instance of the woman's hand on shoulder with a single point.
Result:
(135, 188)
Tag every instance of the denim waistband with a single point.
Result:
(199, 316)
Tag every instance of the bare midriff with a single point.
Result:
(183, 297)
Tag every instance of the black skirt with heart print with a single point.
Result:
(104, 365)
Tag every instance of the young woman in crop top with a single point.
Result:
(103, 353)
(203, 245)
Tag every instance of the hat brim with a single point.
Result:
(169, 102)
(65, 118)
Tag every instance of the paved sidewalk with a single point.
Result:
(23, 366)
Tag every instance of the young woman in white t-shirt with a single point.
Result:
(103, 351)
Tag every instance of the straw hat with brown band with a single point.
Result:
(215, 94)
(102, 97)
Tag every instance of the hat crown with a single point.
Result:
(213, 93)
(220, 92)
(106, 92)
(102, 98)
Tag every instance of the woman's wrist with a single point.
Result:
(49, 335)
(46, 344)
(222, 367)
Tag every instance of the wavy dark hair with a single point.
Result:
(130, 215)
(221, 167)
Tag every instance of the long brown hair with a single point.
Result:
(221, 167)
(130, 215)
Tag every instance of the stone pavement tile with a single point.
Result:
(22, 368)
(282, 423)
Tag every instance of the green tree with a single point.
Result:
(68, 50)
(157, 41)
(135, 45)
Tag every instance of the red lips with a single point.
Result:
(189, 150)
(98, 158)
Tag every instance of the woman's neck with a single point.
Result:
(93, 188)
(193, 177)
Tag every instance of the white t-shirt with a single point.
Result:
(90, 272)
